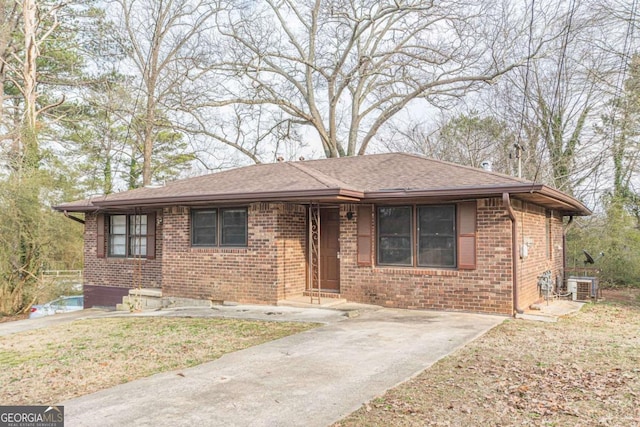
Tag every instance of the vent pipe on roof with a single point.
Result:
(486, 165)
(280, 159)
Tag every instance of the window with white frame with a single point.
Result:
(128, 235)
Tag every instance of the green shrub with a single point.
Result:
(615, 233)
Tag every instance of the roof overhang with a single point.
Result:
(78, 209)
(321, 195)
(535, 193)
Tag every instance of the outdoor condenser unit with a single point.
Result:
(582, 288)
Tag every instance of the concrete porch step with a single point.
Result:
(323, 294)
(303, 301)
(141, 299)
(146, 292)
(537, 317)
(552, 311)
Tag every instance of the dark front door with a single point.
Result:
(329, 249)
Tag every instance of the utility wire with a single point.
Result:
(518, 145)
(556, 94)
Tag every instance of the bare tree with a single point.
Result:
(469, 139)
(620, 129)
(620, 132)
(553, 105)
(554, 128)
(345, 68)
(164, 41)
(477, 141)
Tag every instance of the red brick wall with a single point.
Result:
(117, 272)
(543, 254)
(270, 267)
(485, 289)
(273, 265)
(291, 250)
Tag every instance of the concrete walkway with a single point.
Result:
(551, 311)
(310, 379)
(251, 312)
(8, 328)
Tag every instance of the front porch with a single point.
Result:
(326, 300)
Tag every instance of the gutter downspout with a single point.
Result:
(514, 249)
(76, 219)
(564, 247)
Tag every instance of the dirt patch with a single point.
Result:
(47, 366)
(626, 296)
(581, 371)
(13, 318)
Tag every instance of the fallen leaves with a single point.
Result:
(582, 371)
(554, 389)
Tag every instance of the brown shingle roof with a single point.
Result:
(405, 171)
(378, 176)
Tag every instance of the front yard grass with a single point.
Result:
(47, 366)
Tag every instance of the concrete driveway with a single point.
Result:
(310, 379)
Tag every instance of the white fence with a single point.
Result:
(62, 274)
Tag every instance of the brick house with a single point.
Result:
(396, 230)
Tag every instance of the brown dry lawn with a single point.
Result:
(50, 365)
(581, 371)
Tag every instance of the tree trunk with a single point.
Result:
(148, 144)
(30, 157)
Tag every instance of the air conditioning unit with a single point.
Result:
(572, 287)
(582, 288)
